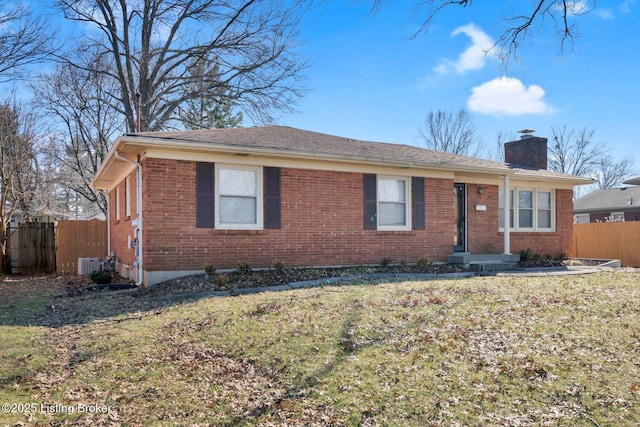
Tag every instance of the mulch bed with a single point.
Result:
(283, 276)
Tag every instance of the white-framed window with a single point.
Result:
(532, 209)
(525, 209)
(238, 197)
(617, 216)
(127, 197)
(501, 203)
(117, 203)
(581, 218)
(544, 211)
(393, 203)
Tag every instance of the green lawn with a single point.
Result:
(483, 351)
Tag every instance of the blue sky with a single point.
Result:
(369, 79)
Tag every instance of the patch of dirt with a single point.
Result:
(283, 276)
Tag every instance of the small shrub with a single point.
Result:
(536, 257)
(209, 270)
(525, 255)
(385, 263)
(561, 257)
(222, 280)
(101, 277)
(244, 269)
(423, 264)
(279, 267)
(403, 264)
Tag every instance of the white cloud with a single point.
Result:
(578, 7)
(606, 14)
(474, 57)
(508, 96)
(626, 6)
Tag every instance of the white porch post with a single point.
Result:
(507, 219)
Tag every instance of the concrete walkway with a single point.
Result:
(555, 271)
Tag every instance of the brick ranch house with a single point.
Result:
(182, 200)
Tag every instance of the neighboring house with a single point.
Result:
(182, 200)
(17, 218)
(612, 204)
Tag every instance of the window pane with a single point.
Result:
(544, 219)
(238, 210)
(525, 218)
(544, 200)
(391, 190)
(392, 214)
(525, 199)
(236, 182)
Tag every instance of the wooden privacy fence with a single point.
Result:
(79, 239)
(608, 240)
(36, 246)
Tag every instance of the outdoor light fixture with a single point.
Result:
(480, 191)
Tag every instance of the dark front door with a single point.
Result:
(460, 217)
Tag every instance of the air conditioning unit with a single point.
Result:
(88, 265)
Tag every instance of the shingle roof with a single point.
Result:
(633, 181)
(609, 200)
(285, 139)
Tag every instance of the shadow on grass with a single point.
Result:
(348, 346)
(40, 301)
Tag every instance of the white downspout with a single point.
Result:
(507, 215)
(106, 196)
(139, 209)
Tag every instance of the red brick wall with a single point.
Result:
(322, 224)
(122, 228)
(482, 226)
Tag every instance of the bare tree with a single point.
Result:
(611, 173)
(451, 132)
(495, 151)
(79, 98)
(25, 39)
(19, 181)
(152, 46)
(575, 153)
(518, 22)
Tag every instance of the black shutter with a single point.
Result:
(417, 202)
(370, 202)
(204, 195)
(271, 197)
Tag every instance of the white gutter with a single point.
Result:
(138, 228)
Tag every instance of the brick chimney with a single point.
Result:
(528, 152)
